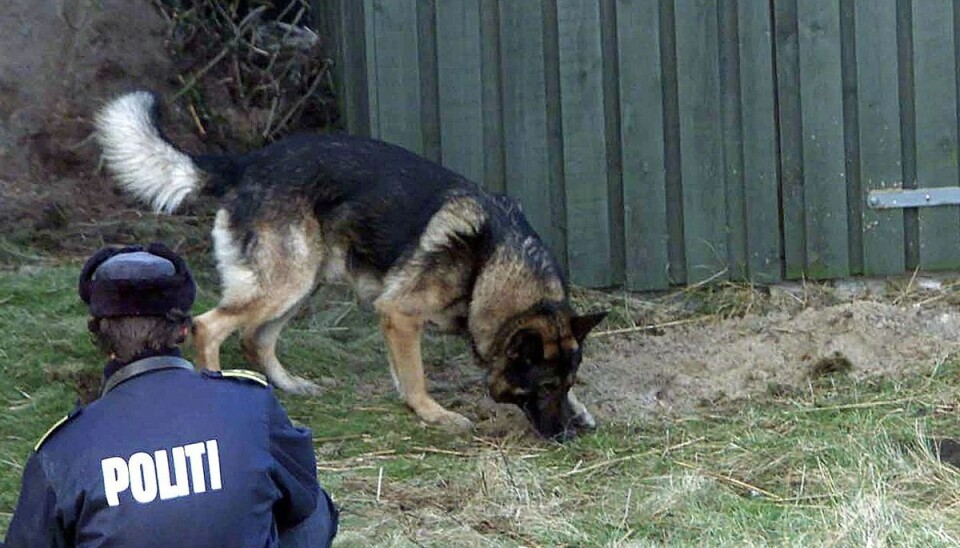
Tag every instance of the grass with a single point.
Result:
(837, 462)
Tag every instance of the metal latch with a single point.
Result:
(916, 197)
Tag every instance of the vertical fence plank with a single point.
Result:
(791, 138)
(851, 137)
(355, 68)
(344, 21)
(701, 161)
(395, 72)
(584, 142)
(551, 65)
(878, 108)
(494, 178)
(824, 177)
(370, 58)
(908, 127)
(611, 118)
(527, 157)
(731, 141)
(429, 86)
(759, 135)
(641, 137)
(935, 92)
(460, 86)
(676, 257)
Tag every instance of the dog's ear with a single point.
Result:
(527, 345)
(581, 325)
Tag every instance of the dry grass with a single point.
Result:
(839, 463)
(712, 301)
(652, 313)
(846, 465)
(500, 498)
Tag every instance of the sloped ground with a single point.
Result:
(844, 457)
(62, 60)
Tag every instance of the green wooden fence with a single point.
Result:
(661, 142)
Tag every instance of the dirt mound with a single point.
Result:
(697, 364)
(64, 59)
(738, 358)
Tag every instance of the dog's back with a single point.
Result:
(372, 197)
(421, 242)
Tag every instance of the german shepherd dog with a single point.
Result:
(422, 243)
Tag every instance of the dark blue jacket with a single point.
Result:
(170, 458)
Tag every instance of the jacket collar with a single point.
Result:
(139, 367)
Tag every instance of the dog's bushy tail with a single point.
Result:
(145, 163)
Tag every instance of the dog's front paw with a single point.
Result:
(448, 420)
(293, 384)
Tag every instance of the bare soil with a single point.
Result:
(776, 352)
(63, 60)
(773, 354)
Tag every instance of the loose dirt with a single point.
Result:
(777, 352)
(693, 365)
(64, 58)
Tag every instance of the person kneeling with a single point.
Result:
(167, 456)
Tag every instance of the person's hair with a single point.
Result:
(127, 337)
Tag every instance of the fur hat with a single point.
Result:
(133, 281)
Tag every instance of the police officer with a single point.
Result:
(167, 456)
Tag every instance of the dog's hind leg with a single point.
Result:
(260, 320)
(241, 285)
(262, 285)
(210, 329)
(287, 260)
(259, 344)
(402, 332)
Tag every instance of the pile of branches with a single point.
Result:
(263, 54)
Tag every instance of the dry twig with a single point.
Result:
(652, 327)
(733, 481)
(275, 69)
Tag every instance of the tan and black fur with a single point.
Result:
(422, 244)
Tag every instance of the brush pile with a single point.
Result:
(261, 58)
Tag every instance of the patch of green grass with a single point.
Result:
(835, 462)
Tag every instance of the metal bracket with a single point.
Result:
(917, 197)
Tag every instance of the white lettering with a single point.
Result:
(169, 490)
(213, 461)
(195, 453)
(143, 478)
(147, 476)
(116, 478)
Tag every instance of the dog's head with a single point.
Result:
(538, 365)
